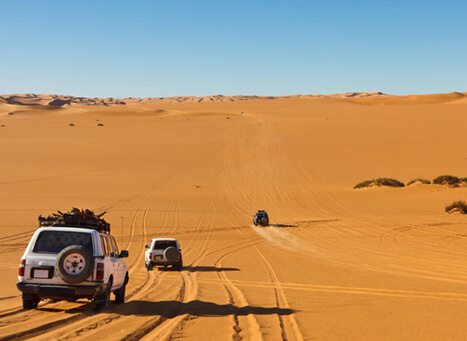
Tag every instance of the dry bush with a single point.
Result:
(447, 180)
(457, 206)
(379, 182)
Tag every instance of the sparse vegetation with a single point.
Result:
(423, 181)
(444, 180)
(379, 182)
(457, 206)
(447, 180)
(71, 125)
(100, 125)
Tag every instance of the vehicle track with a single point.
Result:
(189, 292)
(258, 154)
(158, 323)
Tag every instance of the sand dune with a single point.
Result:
(56, 100)
(337, 264)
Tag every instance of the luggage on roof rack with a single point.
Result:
(76, 218)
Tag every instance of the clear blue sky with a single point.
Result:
(157, 48)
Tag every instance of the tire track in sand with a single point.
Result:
(288, 325)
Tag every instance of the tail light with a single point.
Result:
(22, 264)
(179, 255)
(100, 271)
(150, 255)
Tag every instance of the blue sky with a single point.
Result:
(179, 47)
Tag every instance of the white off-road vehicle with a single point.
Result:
(163, 251)
(68, 259)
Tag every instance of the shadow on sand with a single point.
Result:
(198, 269)
(171, 309)
(283, 225)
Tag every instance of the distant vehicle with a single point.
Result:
(261, 218)
(72, 256)
(163, 251)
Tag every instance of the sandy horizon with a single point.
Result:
(336, 264)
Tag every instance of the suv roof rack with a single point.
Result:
(76, 218)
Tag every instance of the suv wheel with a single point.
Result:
(103, 300)
(179, 266)
(74, 264)
(30, 301)
(120, 293)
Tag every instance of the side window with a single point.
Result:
(105, 250)
(114, 243)
(110, 246)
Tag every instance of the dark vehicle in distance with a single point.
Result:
(261, 218)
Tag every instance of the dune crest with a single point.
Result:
(63, 100)
(372, 98)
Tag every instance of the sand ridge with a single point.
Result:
(60, 100)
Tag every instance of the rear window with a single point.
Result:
(56, 241)
(162, 245)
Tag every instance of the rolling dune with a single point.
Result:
(336, 264)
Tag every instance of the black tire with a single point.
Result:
(74, 264)
(171, 254)
(265, 221)
(120, 295)
(102, 301)
(30, 301)
(179, 266)
(149, 267)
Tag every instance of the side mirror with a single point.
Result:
(146, 246)
(124, 254)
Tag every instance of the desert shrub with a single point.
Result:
(448, 180)
(463, 180)
(380, 182)
(457, 206)
(423, 181)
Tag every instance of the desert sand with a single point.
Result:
(336, 263)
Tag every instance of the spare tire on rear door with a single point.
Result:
(74, 264)
(171, 254)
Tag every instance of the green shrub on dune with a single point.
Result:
(379, 182)
(447, 180)
(457, 206)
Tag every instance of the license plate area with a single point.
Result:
(156, 257)
(44, 272)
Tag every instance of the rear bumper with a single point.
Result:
(163, 262)
(61, 291)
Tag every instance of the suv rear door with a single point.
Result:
(42, 255)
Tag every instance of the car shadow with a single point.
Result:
(171, 309)
(85, 308)
(198, 269)
(283, 225)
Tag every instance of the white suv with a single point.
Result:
(163, 251)
(71, 262)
